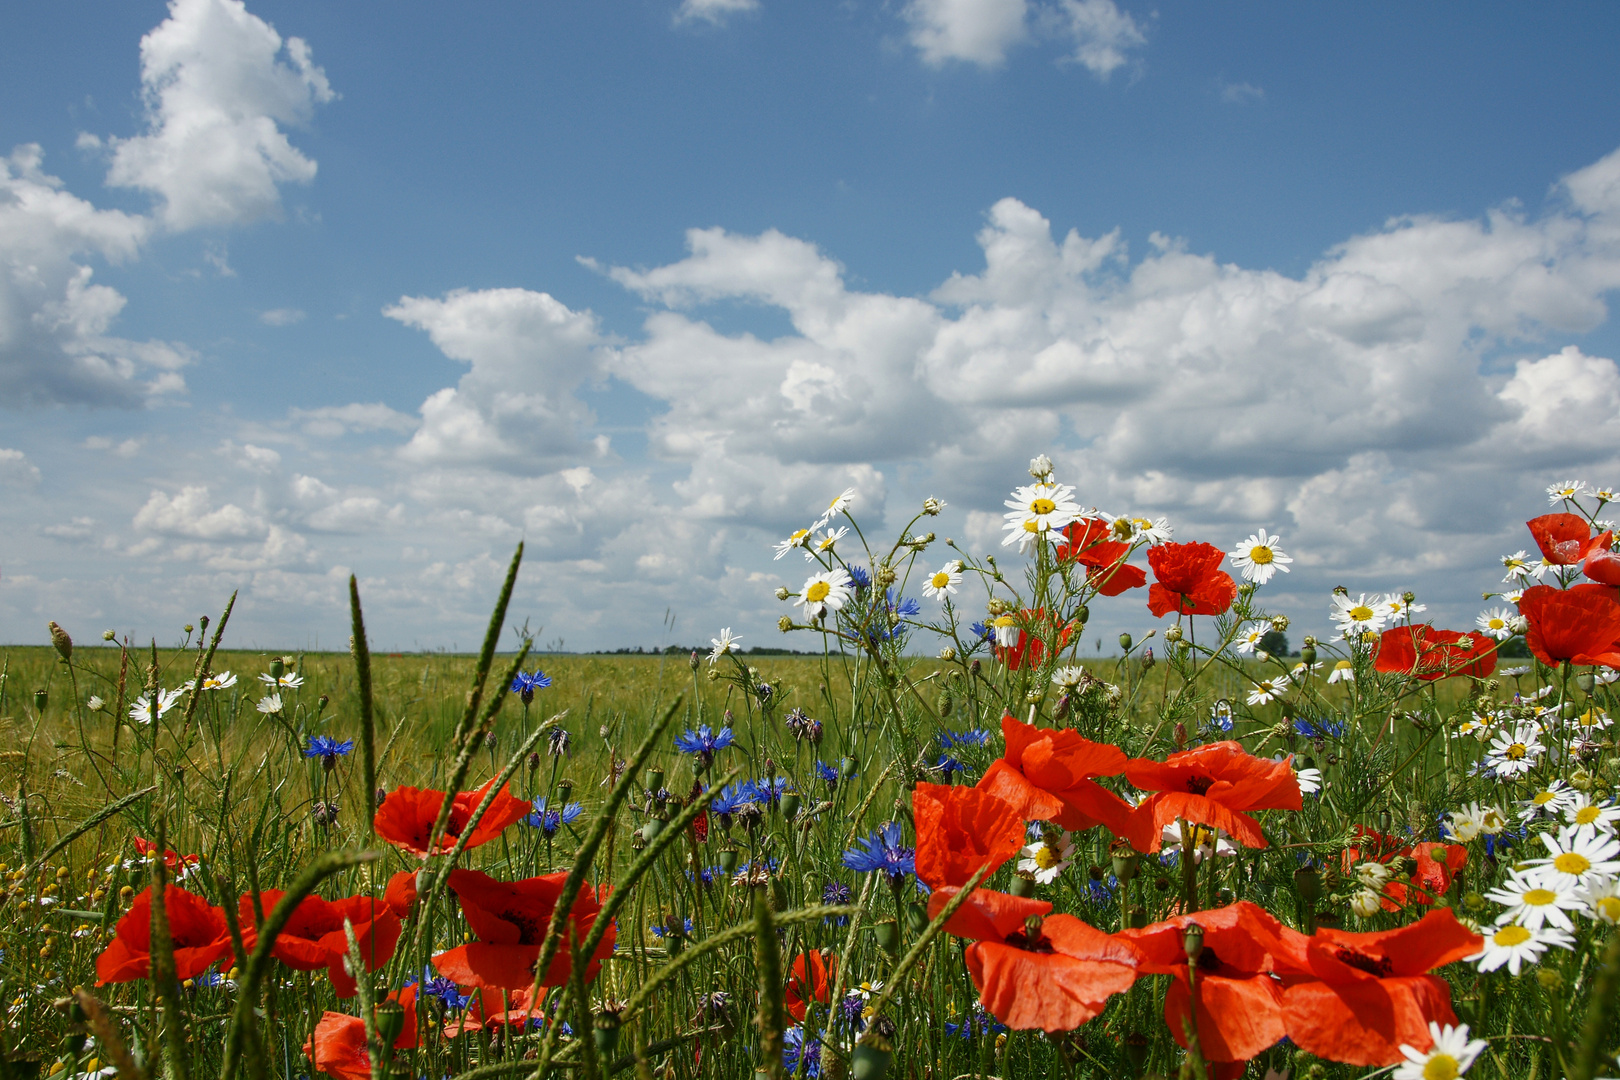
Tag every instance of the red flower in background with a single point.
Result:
(1437, 864)
(1240, 1002)
(1088, 543)
(1214, 784)
(807, 983)
(510, 920)
(1579, 624)
(494, 1008)
(146, 849)
(401, 893)
(1052, 973)
(1047, 776)
(407, 816)
(1370, 993)
(1564, 539)
(338, 1044)
(1030, 629)
(197, 930)
(1429, 654)
(959, 830)
(1189, 580)
(314, 938)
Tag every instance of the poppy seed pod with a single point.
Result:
(41, 699)
(870, 1061)
(1023, 884)
(1192, 942)
(1308, 884)
(655, 779)
(849, 767)
(277, 668)
(390, 1021)
(605, 1028)
(1125, 641)
(887, 934)
(728, 860)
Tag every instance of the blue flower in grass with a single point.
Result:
(549, 821)
(883, 851)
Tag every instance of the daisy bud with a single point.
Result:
(188, 628)
(932, 506)
(783, 624)
(782, 593)
(1173, 634)
(109, 635)
(1040, 467)
(1310, 641)
(1550, 980)
(884, 576)
(1279, 623)
(59, 638)
(947, 654)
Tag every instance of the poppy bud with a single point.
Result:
(605, 1028)
(655, 779)
(849, 767)
(887, 934)
(1307, 655)
(1308, 884)
(1125, 641)
(728, 859)
(975, 667)
(1082, 614)
(790, 805)
(41, 699)
(390, 1021)
(1023, 884)
(1192, 942)
(692, 661)
(916, 918)
(1147, 659)
(59, 638)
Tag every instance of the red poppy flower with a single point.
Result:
(1189, 580)
(494, 1008)
(1104, 559)
(1564, 539)
(1047, 776)
(1212, 785)
(959, 830)
(1371, 992)
(401, 893)
(1602, 564)
(1034, 627)
(808, 982)
(1240, 1004)
(314, 938)
(1436, 865)
(1429, 654)
(1579, 624)
(510, 920)
(407, 816)
(338, 1044)
(1035, 970)
(145, 849)
(197, 930)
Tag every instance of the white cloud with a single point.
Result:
(977, 31)
(515, 408)
(1099, 33)
(714, 12)
(1240, 93)
(281, 316)
(16, 470)
(218, 93)
(330, 421)
(192, 514)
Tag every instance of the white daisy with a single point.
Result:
(149, 707)
(1036, 510)
(1343, 671)
(289, 680)
(1006, 630)
(1515, 752)
(824, 544)
(1070, 678)
(1357, 616)
(1395, 608)
(1513, 944)
(1372, 874)
(1569, 489)
(1127, 528)
(1591, 721)
(1364, 903)
(1498, 622)
(1520, 568)
(1602, 899)
(942, 583)
(1574, 860)
(1588, 818)
(1207, 842)
(1603, 494)
(799, 538)
(839, 505)
(1302, 671)
(1048, 857)
(1249, 640)
(830, 589)
(1309, 780)
(221, 680)
(1530, 902)
(1452, 1054)
(1268, 689)
(1550, 800)
(932, 506)
(1465, 824)
(723, 644)
(1259, 557)
(95, 704)
(1492, 820)
(270, 704)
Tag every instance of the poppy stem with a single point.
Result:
(1189, 868)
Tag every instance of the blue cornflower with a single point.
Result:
(836, 892)
(1326, 729)
(1101, 892)
(980, 631)
(971, 737)
(769, 791)
(883, 851)
(860, 576)
(1220, 717)
(324, 746)
(795, 1047)
(526, 684)
(704, 742)
(210, 979)
(732, 798)
(903, 606)
(1502, 841)
(557, 742)
(442, 990)
(549, 821)
(660, 931)
(827, 773)
(947, 765)
(978, 1022)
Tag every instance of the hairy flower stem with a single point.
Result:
(361, 651)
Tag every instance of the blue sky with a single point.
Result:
(387, 288)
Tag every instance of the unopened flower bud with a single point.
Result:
(109, 635)
(59, 638)
(932, 506)
(1125, 641)
(947, 653)
(783, 624)
(782, 593)
(1040, 467)
(693, 661)
(1279, 623)
(1173, 634)
(884, 576)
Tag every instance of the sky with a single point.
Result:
(293, 290)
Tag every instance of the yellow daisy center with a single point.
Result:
(817, 592)
(827, 542)
(941, 579)
(1515, 751)
(1496, 624)
(1511, 935)
(1540, 897)
(1033, 526)
(1586, 815)
(1042, 506)
(1122, 528)
(1361, 613)
(1542, 798)
(1046, 857)
(1441, 1067)
(1343, 665)
(1608, 908)
(798, 535)
(1572, 862)
(1260, 554)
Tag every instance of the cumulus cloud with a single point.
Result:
(1095, 33)
(219, 85)
(330, 421)
(192, 514)
(281, 316)
(714, 12)
(1099, 34)
(515, 409)
(16, 470)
